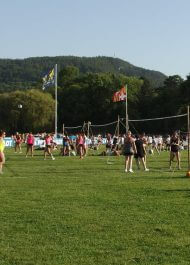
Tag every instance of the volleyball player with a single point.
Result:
(48, 146)
(174, 150)
(129, 150)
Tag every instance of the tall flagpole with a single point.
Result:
(127, 121)
(56, 100)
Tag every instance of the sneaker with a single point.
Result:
(126, 170)
(170, 168)
(131, 171)
(53, 158)
(146, 169)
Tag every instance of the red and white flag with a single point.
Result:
(120, 95)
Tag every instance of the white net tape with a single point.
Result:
(114, 122)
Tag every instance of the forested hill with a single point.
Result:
(27, 73)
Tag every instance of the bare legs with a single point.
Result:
(2, 161)
(129, 163)
(18, 146)
(30, 149)
(81, 151)
(47, 150)
(1, 167)
(143, 161)
(172, 156)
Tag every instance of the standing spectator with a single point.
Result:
(174, 151)
(160, 143)
(144, 138)
(48, 146)
(30, 144)
(80, 142)
(167, 142)
(66, 144)
(155, 144)
(18, 141)
(140, 154)
(150, 144)
(85, 146)
(129, 150)
(108, 143)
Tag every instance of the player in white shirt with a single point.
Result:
(167, 142)
(160, 143)
(149, 140)
(155, 144)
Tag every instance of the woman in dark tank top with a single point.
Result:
(129, 150)
(174, 150)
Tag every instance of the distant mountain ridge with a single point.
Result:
(26, 73)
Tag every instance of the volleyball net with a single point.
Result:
(161, 125)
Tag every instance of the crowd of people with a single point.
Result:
(139, 145)
(131, 146)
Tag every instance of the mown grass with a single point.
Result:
(86, 212)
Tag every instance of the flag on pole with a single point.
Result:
(49, 79)
(120, 95)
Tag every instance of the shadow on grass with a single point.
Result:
(177, 190)
(172, 177)
(13, 173)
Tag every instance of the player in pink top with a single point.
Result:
(30, 144)
(80, 142)
(48, 146)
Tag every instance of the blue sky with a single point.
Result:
(153, 34)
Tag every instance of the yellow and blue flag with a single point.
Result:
(49, 79)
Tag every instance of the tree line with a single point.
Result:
(27, 73)
(88, 97)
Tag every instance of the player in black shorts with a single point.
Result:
(141, 153)
(174, 150)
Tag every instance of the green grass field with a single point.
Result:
(71, 211)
